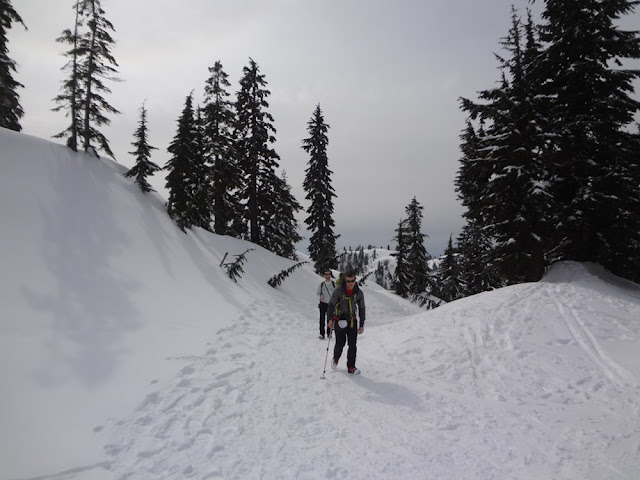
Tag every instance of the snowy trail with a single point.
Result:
(257, 394)
(230, 406)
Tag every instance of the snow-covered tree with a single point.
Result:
(10, 109)
(280, 227)
(257, 160)
(402, 276)
(592, 163)
(143, 167)
(91, 63)
(71, 97)
(417, 256)
(477, 271)
(515, 205)
(185, 171)
(449, 285)
(218, 117)
(317, 184)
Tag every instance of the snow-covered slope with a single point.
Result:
(128, 353)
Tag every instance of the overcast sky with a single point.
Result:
(386, 73)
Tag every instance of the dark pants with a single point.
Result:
(324, 319)
(342, 335)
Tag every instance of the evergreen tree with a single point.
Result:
(280, 231)
(514, 201)
(257, 160)
(593, 169)
(72, 89)
(143, 167)
(98, 65)
(10, 110)
(449, 282)
(184, 171)
(202, 184)
(402, 276)
(317, 184)
(477, 271)
(417, 256)
(218, 119)
(91, 62)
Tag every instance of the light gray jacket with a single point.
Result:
(326, 289)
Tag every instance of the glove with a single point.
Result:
(332, 321)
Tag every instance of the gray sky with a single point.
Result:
(386, 73)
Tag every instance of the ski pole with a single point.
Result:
(327, 355)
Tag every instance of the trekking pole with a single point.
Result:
(327, 355)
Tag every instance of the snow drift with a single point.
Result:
(128, 353)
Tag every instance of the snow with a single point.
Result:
(128, 353)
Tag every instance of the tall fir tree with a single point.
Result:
(143, 166)
(90, 64)
(477, 271)
(402, 277)
(73, 92)
(98, 65)
(514, 200)
(257, 160)
(218, 117)
(10, 109)
(202, 182)
(280, 227)
(184, 169)
(417, 256)
(593, 169)
(320, 192)
(449, 284)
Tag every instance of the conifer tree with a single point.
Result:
(417, 256)
(473, 174)
(257, 160)
(98, 65)
(218, 117)
(449, 283)
(202, 185)
(477, 271)
(595, 182)
(184, 171)
(402, 277)
(514, 201)
(72, 88)
(280, 231)
(143, 167)
(10, 109)
(91, 63)
(317, 184)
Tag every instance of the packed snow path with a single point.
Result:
(479, 388)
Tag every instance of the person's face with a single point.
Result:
(327, 275)
(350, 281)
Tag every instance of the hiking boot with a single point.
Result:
(354, 371)
(321, 337)
(334, 363)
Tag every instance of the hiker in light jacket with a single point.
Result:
(345, 306)
(325, 290)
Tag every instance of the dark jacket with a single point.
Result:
(346, 307)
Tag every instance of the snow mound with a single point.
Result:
(128, 353)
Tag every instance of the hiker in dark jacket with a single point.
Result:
(346, 305)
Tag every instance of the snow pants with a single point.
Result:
(343, 335)
(324, 319)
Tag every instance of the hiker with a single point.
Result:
(325, 290)
(346, 304)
